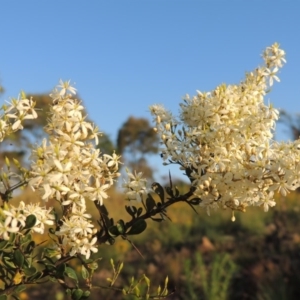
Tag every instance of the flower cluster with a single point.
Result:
(14, 219)
(14, 114)
(69, 169)
(135, 187)
(225, 142)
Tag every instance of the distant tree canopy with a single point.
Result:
(106, 145)
(136, 138)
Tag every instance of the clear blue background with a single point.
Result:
(126, 55)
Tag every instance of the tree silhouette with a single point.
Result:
(136, 138)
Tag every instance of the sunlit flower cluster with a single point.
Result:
(69, 169)
(14, 219)
(77, 233)
(14, 113)
(135, 187)
(224, 141)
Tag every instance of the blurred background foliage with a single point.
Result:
(209, 258)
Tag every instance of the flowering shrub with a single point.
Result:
(225, 142)
(221, 139)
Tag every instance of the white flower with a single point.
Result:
(88, 247)
(5, 229)
(65, 86)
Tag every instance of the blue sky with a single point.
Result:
(126, 55)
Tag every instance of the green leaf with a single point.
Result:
(7, 261)
(84, 272)
(19, 258)
(150, 203)
(159, 190)
(3, 297)
(111, 240)
(12, 238)
(71, 273)
(77, 294)
(30, 221)
(8, 248)
(195, 201)
(113, 231)
(139, 211)
(93, 266)
(35, 276)
(86, 294)
(131, 210)
(3, 244)
(138, 227)
(25, 239)
(30, 247)
(52, 230)
(20, 288)
(51, 252)
(121, 226)
(169, 191)
(60, 270)
(29, 271)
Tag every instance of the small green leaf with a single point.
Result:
(51, 230)
(3, 297)
(137, 291)
(138, 227)
(71, 273)
(131, 210)
(35, 276)
(93, 266)
(147, 280)
(169, 191)
(29, 271)
(25, 239)
(77, 294)
(8, 248)
(113, 231)
(12, 238)
(3, 244)
(139, 211)
(9, 263)
(159, 190)
(19, 258)
(60, 271)
(30, 221)
(158, 290)
(84, 272)
(20, 288)
(150, 203)
(195, 201)
(121, 226)
(111, 240)
(51, 252)
(86, 294)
